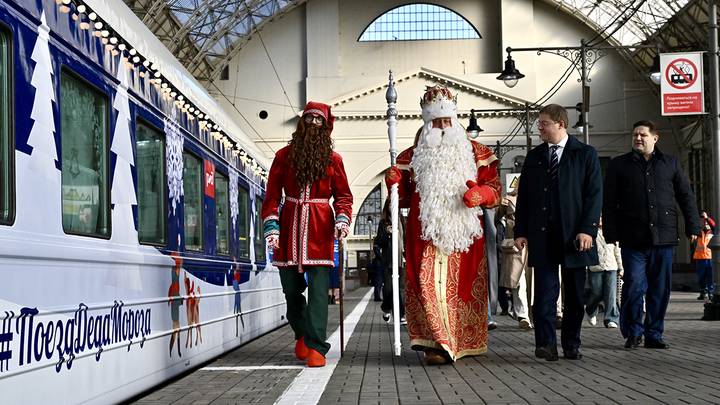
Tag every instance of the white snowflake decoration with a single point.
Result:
(174, 162)
(234, 209)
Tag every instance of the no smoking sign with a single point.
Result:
(681, 84)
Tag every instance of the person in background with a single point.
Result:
(383, 242)
(515, 271)
(603, 282)
(490, 236)
(376, 273)
(504, 294)
(702, 255)
(706, 219)
(334, 286)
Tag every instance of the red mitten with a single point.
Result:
(473, 197)
(393, 176)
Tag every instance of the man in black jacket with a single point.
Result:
(639, 211)
(557, 213)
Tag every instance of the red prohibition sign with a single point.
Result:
(679, 79)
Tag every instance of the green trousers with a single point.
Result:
(308, 320)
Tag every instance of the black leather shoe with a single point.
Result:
(633, 342)
(701, 296)
(548, 353)
(572, 354)
(656, 344)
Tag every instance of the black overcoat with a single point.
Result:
(640, 209)
(580, 196)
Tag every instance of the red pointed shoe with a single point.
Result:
(315, 359)
(301, 351)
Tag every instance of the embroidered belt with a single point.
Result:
(309, 201)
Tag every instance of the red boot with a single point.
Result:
(315, 359)
(301, 351)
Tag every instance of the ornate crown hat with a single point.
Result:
(438, 102)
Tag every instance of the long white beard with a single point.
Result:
(442, 165)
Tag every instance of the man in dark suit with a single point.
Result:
(557, 215)
(641, 191)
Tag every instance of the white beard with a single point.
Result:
(442, 165)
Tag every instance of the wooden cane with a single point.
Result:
(341, 276)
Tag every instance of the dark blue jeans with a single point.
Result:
(648, 275)
(546, 290)
(704, 271)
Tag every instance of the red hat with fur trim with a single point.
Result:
(322, 110)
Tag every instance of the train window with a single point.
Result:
(243, 228)
(150, 146)
(85, 202)
(192, 183)
(259, 236)
(222, 209)
(6, 149)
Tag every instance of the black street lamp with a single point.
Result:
(585, 54)
(510, 75)
(655, 74)
(473, 129)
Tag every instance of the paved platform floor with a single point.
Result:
(688, 373)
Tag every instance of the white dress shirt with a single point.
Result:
(561, 147)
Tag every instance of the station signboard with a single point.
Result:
(681, 83)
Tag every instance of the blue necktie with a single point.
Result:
(553, 163)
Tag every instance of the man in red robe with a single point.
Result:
(445, 179)
(305, 178)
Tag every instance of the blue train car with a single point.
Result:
(130, 245)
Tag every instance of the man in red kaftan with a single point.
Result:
(307, 179)
(445, 179)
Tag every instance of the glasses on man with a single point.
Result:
(544, 123)
(313, 119)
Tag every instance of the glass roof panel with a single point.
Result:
(221, 27)
(628, 23)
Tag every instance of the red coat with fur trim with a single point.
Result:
(307, 220)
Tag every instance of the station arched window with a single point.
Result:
(368, 216)
(418, 22)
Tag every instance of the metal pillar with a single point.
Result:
(528, 127)
(585, 91)
(712, 310)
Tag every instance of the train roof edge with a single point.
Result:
(119, 16)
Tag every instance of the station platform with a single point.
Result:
(265, 371)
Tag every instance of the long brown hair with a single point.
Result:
(311, 152)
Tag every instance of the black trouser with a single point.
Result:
(546, 290)
(307, 320)
(377, 280)
(387, 303)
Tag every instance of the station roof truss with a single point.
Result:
(206, 34)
